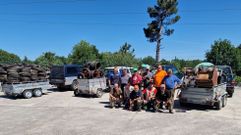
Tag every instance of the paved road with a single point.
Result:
(60, 113)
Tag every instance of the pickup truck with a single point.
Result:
(27, 89)
(227, 70)
(63, 76)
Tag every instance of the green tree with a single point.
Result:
(148, 60)
(124, 57)
(126, 48)
(6, 57)
(224, 53)
(239, 47)
(26, 60)
(163, 14)
(49, 59)
(83, 52)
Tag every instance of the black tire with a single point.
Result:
(76, 93)
(99, 93)
(2, 71)
(75, 84)
(37, 93)
(25, 79)
(26, 69)
(218, 105)
(25, 74)
(60, 87)
(13, 74)
(27, 94)
(224, 101)
(182, 104)
(230, 94)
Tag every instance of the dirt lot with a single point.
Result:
(60, 113)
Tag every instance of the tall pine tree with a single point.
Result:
(163, 14)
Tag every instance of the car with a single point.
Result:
(63, 76)
(227, 70)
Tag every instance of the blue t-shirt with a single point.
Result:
(115, 78)
(171, 81)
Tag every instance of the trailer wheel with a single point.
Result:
(99, 93)
(27, 94)
(224, 101)
(230, 94)
(218, 105)
(74, 85)
(182, 104)
(76, 93)
(37, 92)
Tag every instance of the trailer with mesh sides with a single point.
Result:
(26, 89)
(94, 86)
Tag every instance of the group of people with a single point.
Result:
(143, 90)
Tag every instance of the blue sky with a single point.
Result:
(31, 27)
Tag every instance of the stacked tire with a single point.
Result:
(21, 73)
(91, 70)
(3, 74)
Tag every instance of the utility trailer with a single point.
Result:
(94, 86)
(206, 86)
(215, 96)
(26, 89)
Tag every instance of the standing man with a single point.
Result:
(115, 77)
(115, 96)
(158, 80)
(124, 80)
(159, 76)
(148, 77)
(136, 78)
(172, 82)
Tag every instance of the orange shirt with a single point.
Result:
(159, 76)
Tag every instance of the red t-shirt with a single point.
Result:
(151, 92)
(136, 79)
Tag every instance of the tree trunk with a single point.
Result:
(158, 47)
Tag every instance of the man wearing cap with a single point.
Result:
(171, 81)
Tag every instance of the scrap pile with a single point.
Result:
(201, 76)
(207, 78)
(14, 73)
(91, 70)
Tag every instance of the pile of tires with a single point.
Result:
(91, 70)
(12, 73)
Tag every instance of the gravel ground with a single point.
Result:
(60, 113)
